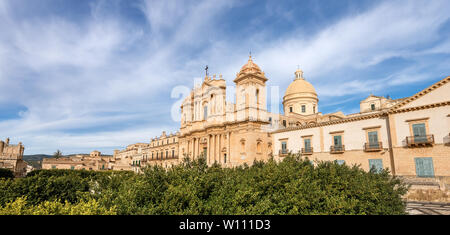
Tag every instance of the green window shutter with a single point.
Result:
(424, 167)
(307, 144)
(376, 163)
(373, 138)
(283, 146)
(337, 140)
(419, 132)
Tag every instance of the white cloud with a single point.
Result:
(69, 74)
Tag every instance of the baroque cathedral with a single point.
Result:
(409, 136)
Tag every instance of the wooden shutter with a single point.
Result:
(424, 167)
(307, 144)
(376, 163)
(337, 140)
(419, 132)
(373, 138)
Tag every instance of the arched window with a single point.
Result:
(242, 145)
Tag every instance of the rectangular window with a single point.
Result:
(376, 164)
(284, 123)
(283, 147)
(205, 112)
(307, 145)
(419, 132)
(290, 109)
(340, 162)
(303, 108)
(373, 139)
(424, 166)
(337, 141)
(372, 106)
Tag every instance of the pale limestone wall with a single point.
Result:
(354, 157)
(295, 141)
(405, 164)
(438, 95)
(354, 136)
(437, 120)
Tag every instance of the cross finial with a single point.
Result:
(250, 54)
(206, 70)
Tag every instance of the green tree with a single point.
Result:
(57, 154)
(6, 173)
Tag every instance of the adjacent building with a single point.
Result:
(93, 161)
(409, 136)
(11, 157)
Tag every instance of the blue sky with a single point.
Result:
(84, 75)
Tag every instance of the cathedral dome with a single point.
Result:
(300, 96)
(299, 85)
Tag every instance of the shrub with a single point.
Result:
(21, 207)
(6, 173)
(292, 186)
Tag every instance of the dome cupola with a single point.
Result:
(250, 69)
(300, 96)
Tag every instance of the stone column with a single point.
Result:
(213, 147)
(228, 147)
(220, 147)
(193, 148)
(207, 151)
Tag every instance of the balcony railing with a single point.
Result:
(423, 140)
(337, 148)
(163, 158)
(307, 151)
(283, 153)
(372, 147)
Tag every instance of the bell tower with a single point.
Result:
(251, 92)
